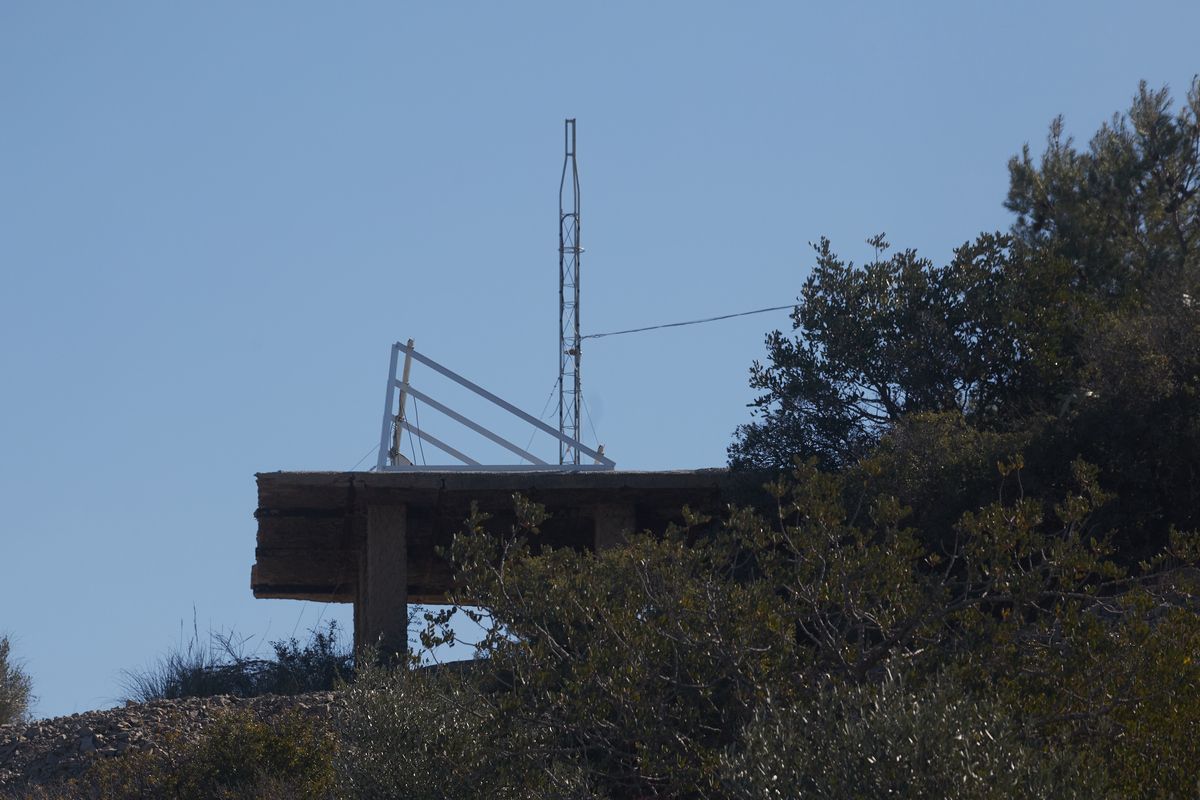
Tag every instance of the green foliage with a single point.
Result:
(321, 664)
(861, 742)
(1125, 212)
(829, 649)
(220, 667)
(133, 776)
(238, 756)
(415, 734)
(241, 752)
(940, 466)
(867, 591)
(1125, 215)
(1075, 335)
(631, 668)
(1138, 415)
(899, 336)
(437, 732)
(1126, 691)
(15, 687)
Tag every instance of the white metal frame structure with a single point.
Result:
(395, 421)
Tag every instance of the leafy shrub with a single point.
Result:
(887, 740)
(133, 776)
(238, 756)
(435, 732)
(220, 667)
(627, 671)
(1122, 688)
(416, 734)
(320, 665)
(683, 664)
(15, 687)
(241, 752)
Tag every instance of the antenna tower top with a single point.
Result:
(569, 249)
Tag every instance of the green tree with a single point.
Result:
(1007, 329)
(1138, 416)
(1077, 333)
(898, 336)
(15, 687)
(1125, 212)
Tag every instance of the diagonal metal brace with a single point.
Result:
(509, 407)
(436, 442)
(457, 417)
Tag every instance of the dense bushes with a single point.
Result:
(15, 687)
(219, 667)
(239, 756)
(885, 740)
(829, 650)
(825, 649)
(420, 734)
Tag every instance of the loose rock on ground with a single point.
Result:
(52, 750)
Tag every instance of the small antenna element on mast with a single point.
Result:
(569, 394)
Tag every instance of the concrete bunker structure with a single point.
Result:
(369, 538)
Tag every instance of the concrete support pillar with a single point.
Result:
(615, 522)
(386, 595)
(361, 639)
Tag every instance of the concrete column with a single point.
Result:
(386, 595)
(361, 639)
(615, 522)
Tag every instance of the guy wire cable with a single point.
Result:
(689, 322)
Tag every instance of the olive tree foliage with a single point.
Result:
(626, 670)
(861, 742)
(720, 654)
(414, 734)
(15, 687)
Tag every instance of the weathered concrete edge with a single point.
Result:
(493, 481)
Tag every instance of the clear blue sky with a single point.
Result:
(216, 217)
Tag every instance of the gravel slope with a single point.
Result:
(51, 750)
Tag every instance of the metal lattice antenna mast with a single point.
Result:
(568, 299)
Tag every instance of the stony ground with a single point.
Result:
(51, 750)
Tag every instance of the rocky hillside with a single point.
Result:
(52, 750)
